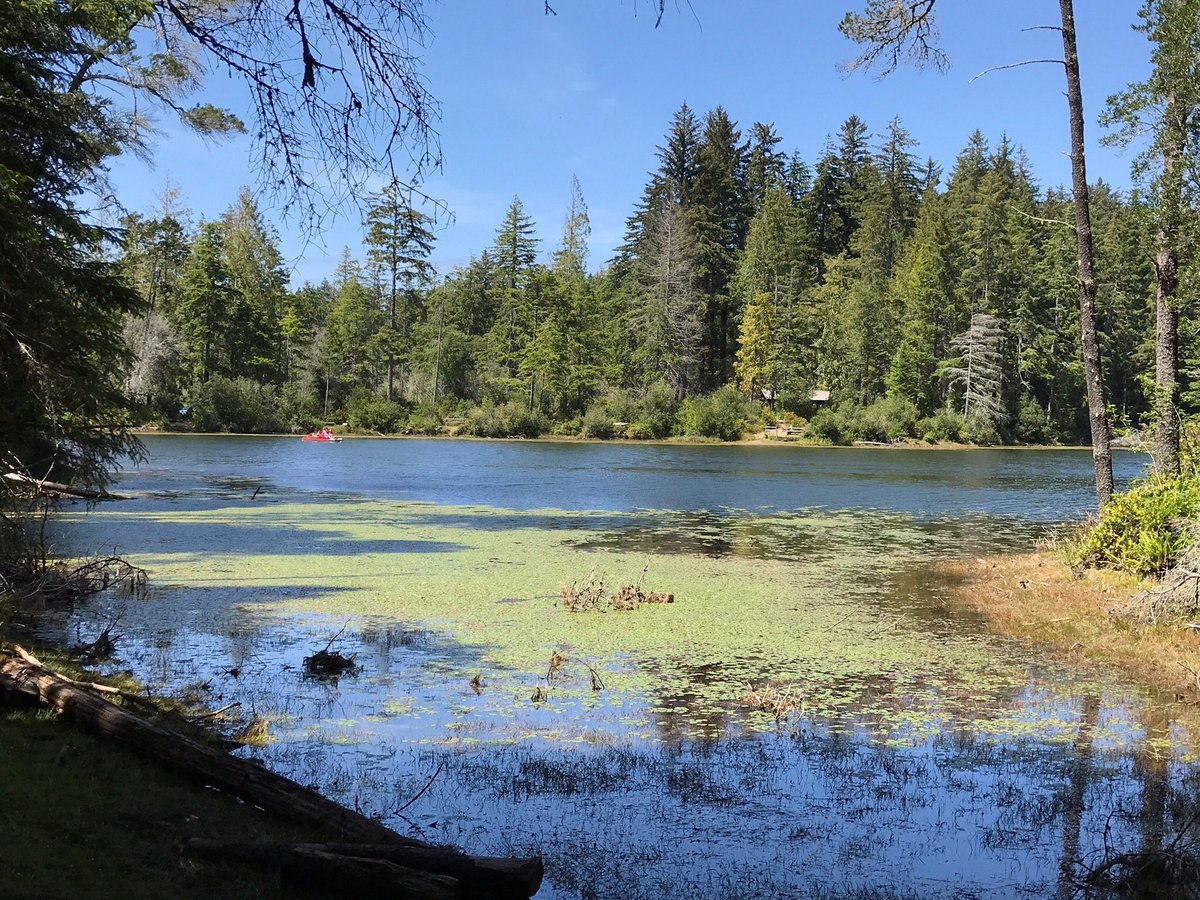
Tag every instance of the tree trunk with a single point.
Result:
(1097, 409)
(39, 486)
(1166, 270)
(340, 875)
(482, 877)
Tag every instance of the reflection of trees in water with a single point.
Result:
(1151, 766)
(1078, 775)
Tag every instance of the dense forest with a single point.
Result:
(927, 304)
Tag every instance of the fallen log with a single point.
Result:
(342, 875)
(480, 876)
(56, 487)
(243, 778)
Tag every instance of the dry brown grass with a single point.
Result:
(1037, 596)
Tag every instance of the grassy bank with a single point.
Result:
(85, 817)
(1039, 598)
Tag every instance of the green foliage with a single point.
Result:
(639, 431)
(367, 413)
(657, 411)
(63, 299)
(1031, 425)
(424, 420)
(237, 404)
(1145, 530)
(507, 420)
(723, 414)
(887, 419)
(944, 425)
(597, 423)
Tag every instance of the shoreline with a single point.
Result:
(757, 441)
(1037, 598)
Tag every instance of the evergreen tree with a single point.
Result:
(258, 285)
(206, 299)
(63, 301)
(766, 166)
(717, 215)
(513, 256)
(1167, 105)
(399, 242)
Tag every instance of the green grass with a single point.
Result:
(83, 817)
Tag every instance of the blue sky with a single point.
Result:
(528, 100)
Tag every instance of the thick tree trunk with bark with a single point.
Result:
(1166, 272)
(1097, 408)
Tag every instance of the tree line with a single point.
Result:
(927, 302)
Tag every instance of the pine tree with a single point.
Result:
(399, 242)
(258, 284)
(513, 256)
(1167, 106)
(758, 347)
(205, 301)
(717, 216)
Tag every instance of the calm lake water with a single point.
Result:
(917, 755)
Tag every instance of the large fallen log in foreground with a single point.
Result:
(251, 782)
(479, 876)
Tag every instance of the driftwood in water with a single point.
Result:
(55, 487)
(478, 876)
(243, 778)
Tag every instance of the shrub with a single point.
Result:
(507, 420)
(943, 425)
(722, 414)
(238, 405)
(366, 413)
(1144, 530)
(424, 420)
(980, 429)
(639, 431)
(657, 411)
(887, 419)
(829, 425)
(598, 422)
(1031, 426)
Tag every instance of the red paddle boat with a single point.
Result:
(323, 435)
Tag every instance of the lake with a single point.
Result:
(810, 717)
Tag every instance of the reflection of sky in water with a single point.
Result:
(911, 781)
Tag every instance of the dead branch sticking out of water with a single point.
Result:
(590, 595)
(328, 664)
(103, 647)
(425, 870)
